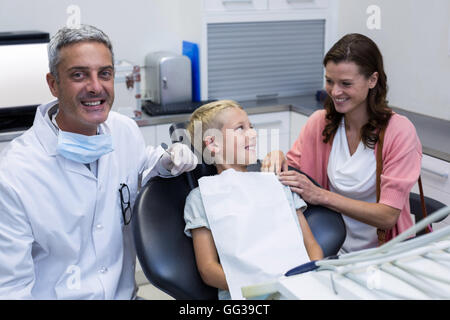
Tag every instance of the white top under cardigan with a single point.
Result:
(353, 176)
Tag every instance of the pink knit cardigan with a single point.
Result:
(402, 154)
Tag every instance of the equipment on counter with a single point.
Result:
(414, 269)
(154, 109)
(23, 65)
(191, 51)
(130, 74)
(168, 77)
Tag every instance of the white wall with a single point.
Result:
(414, 40)
(136, 27)
(414, 36)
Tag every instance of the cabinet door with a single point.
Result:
(298, 4)
(297, 122)
(272, 120)
(235, 5)
(271, 140)
(436, 183)
(435, 179)
(273, 132)
(149, 133)
(162, 134)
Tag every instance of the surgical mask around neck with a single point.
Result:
(81, 148)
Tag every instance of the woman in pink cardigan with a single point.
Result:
(337, 147)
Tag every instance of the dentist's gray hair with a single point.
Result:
(67, 36)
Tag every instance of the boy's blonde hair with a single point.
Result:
(208, 116)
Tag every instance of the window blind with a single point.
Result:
(258, 60)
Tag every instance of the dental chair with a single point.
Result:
(166, 254)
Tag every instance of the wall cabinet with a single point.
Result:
(436, 183)
(297, 122)
(297, 4)
(272, 130)
(154, 135)
(435, 179)
(245, 5)
(255, 16)
(234, 5)
(162, 134)
(149, 133)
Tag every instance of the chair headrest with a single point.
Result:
(178, 133)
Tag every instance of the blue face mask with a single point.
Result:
(81, 148)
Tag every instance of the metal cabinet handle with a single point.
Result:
(237, 1)
(267, 123)
(437, 173)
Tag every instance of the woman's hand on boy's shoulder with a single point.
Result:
(275, 161)
(300, 184)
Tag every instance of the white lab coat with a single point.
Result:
(61, 228)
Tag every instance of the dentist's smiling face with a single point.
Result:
(347, 86)
(239, 138)
(85, 86)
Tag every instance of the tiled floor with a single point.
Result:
(149, 292)
(146, 290)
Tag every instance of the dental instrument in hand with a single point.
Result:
(165, 147)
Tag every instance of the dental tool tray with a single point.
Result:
(154, 109)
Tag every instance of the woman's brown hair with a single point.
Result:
(365, 54)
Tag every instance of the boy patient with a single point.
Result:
(234, 148)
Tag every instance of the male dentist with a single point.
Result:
(68, 184)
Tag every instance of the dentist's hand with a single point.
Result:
(275, 161)
(178, 158)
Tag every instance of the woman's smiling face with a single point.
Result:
(347, 87)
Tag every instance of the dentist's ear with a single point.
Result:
(52, 84)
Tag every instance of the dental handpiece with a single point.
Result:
(165, 147)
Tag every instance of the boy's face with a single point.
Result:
(239, 138)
